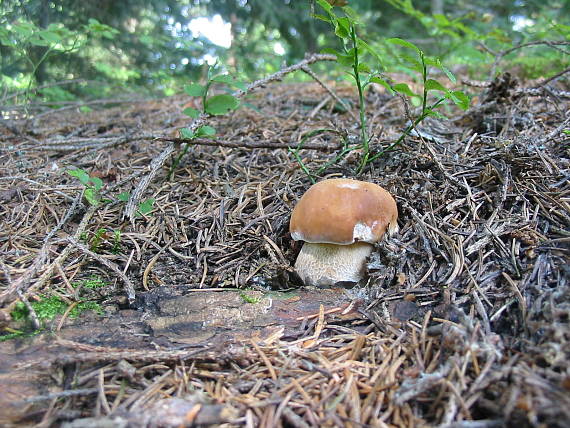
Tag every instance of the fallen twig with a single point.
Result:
(252, 144)
(130, 289)
(500, 55)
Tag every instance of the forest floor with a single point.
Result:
(196, 315)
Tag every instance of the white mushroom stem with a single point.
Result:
(328, 264)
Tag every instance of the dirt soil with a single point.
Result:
(463, 319)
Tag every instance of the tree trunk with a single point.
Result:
(437, 7)
(40, 73)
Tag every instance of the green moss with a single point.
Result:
(47, 308)
(249, 299)
(50, 306)
(86, 306)
(18, 334)
(91, 283)
(20, 312)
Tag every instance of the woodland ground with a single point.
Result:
(464, 321)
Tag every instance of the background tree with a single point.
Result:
(149, 45)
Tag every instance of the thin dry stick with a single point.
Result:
(76, 105)
(499, 55)
(283, 72)
(555, 132)
(130, 289)
(136, 196)
(47, 85)
(311, 73)
(84, 143)
(265, 360)
(105, 143)
(61, 394)
(441, 167)
(294, 419)
(84, 353)
(550, 79)
(249, 144)
(22, 284)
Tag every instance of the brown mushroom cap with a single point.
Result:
(343, 211)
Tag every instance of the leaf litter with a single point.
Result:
(464, 320)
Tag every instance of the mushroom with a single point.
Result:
(339, 220)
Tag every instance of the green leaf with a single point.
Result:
(414, 63)
(433, 113)
(101, 29)
(342, 28)
(380, 81)
(416, 101)
(460, 99)
(221, 104)
(96, 182)
(194, 89)
(146, 206)
(192, 112)
(432, 61)
(366, 47)
(436, 62)
(240, 85)
(324, 5)
(229, 80)
(36, 40)
(352, 14)
(92, 196)
(434, 85)
(223, 78)
(124, 196)
(403, 89)
(347, 59)
(187, 133)
(23, 29)
(81, 175)
(50, 36)
(402, 42)
(321, 17)
(441, 19)
(364, 68)
(448, 73)
(6, 38)
(205, 131)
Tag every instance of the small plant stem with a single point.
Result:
(407, 131)
(361, 102)
(177, 160)
(425, 113)
(302, 164)
(337, 158)
(424, 98)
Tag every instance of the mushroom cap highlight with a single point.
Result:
(343, 211)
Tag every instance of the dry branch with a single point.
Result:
(249, 144)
